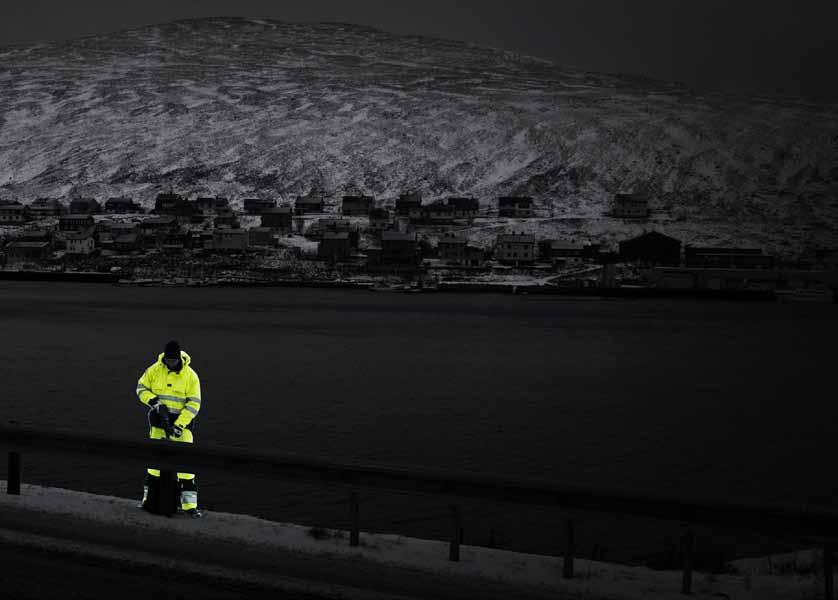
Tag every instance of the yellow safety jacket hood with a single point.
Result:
(185, 359)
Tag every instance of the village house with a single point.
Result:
(515, 248)
(516, 207)
(334, 246)
(380, 219)
(562, 254)
(261, 237)
(46, 207)
(308, 204)
(332, 225)
(204, 240)
(452, 249)
(27, 251)
(474, 256)
(153, 225)
(176, 241)
(464, 208)
(13, 214)
(435, 212)
(225, 219)
(85, 206)
(35, 235)
(256, 206)
(80, 242)
(651, 249)
(204, 206)
(726, 258)
(630, 206)
(357, 205)
(399, 248)
(406, 202)
(126, 243)
(173, 204)
(118, 229)
(234, 240)
(75, 222)
(122, 206)
(278, 219)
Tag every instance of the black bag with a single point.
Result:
(163, 494)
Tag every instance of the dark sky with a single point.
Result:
(787, 47)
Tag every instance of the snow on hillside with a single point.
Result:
(240, 107)
(413, 558)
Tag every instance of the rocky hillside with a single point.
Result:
(254, 107)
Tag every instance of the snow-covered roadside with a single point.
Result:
(398, 556)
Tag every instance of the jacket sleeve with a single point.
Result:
(193, 402)
(144, 392)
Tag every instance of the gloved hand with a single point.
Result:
(177, 431)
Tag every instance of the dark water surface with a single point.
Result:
(718, 399)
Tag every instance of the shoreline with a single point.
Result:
(626, 292)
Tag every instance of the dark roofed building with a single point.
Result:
(357, 205)
(562, 253)
(407, 202)
(261, 236)
(255, 206)
(47, 207)
(452, 248)
(127, 242)
(173, 204)
(515, 248)
(310, 203)
(380, 219)
(85, 206)
(25, 251)
(122, 206)
(399, 248)
(652, 248)
(279, 219)
(334, 246)
(464, 208)
(225, 218)
(75, 222)
(13, 214)
(435, 212)
(516, 207)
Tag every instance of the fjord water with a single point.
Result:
(720, 400)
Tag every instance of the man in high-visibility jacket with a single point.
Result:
(171, 382)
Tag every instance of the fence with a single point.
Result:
(815, 526)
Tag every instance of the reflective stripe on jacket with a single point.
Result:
(179, 391)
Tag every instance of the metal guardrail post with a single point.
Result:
(456, 534)
(687, 546)
(355, 518)
(828, 573)
(567, 566)
(13, 479)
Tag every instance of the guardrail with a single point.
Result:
(818, 526)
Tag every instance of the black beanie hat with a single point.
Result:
(172, 350)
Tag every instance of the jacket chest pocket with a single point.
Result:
(175, 387)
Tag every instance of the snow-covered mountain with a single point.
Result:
(243, 107)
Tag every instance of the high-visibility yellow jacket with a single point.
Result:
(179, 391)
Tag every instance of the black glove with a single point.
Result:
(159, 417)
(177, 431)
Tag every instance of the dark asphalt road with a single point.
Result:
(38, 574)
